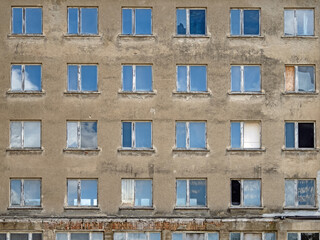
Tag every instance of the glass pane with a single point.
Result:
(15, 134)
(306, 135)
(3, 236)
(126, 21)
(99, 236)
(213, 236)
(17, 20)
(182, 79)
(251, 22)
(305, 22)
(290, 193)
(292, 236)
(72, 135)
(36, 236)
(126, 134)
(72, 78)
(251, 79)
(251, 193)
(197, 22)
(197, 134)
(15, 192)
(127, 76)
(235, 192)
(119, 236)
(252, 236)
(289, 28)
(32, 192)
(79, 236)
(198, 192)
(32, 76)
(235, 236)
(16, 78)
(305, 78)
(32, 134)
(194, 236)
(89, 193)
(235, 28)
(306, 193)
(235, 135)
(73, 16)
(143, 78)
(89, 78)
(143, 21)
(154, 236)
(143, 193)
(290, 135)
(19, 236)
(33, 20)
(198, 78)
(181, 193)
(235, 78)
(137, 236)
(309, 236)
(270, 236)
(177, 236)
(181, 135)
(143, 134)
(61, 236)
(181, 21)
(72, 192)
(89, 135)
(89, 20)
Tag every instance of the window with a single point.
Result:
(83, 21)
(191, 135)
(136, 78)
(25, 192)
(82, 192)
(137, 135)
(82, 135)
(79, 236)
(245, 135)
(26, 20)
(303, 236)
(25, 78)
(137, 235)
(300, 79)
(245, 79)
(82, 78)
(195, 235)
(20, 236)
(25, 134)
(300, 193)
(246, 193)
(137, 21)
(191, 21)
(136, 193)
(244, 22)
(299, 135)
(252, 236)
(191, 193)
(298, 22)
(191, 78)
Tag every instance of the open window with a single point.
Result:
(299, 135)
(246, 193)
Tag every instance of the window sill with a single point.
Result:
(245, 208)
(26, 36)
(245, 36)
(192, 94)
(247, 93)
(305, 37)
(192, 36)
(124, 36)
(81, 93)
(179, 150)
(136, 208)
(25, 208)
(25, 93)
(82, 36)
(124, 93)
(82, 208)
(300, 93)
(25, 150)
(191, 208)
(301, 208)
(246, 149)
(82, 151)
(136, 151)
(297, 150)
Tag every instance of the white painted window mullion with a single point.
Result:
(79, 20)
(188, 193)
(79, 192)
(79, 78)
(295, 23)
(296, 79)
(296, 135)
(242, 79)
(24, 20)
(22, 192)
(134, 78)
(188, 79)
(241, 22)
(188, 21)
(296, 192)
(8, 236)
(79, 134)
(23, 77)
(133, 21)
(22, 134)
(241, 192)
(242, 134)
(133, 135)
(29, 236)
(188, 135)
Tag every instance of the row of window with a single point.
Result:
(137, 193)
(138, 21)
(138, 135)
(138, 78)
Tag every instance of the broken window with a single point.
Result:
(299, 22)
(191, 193)
(244, 22)
(252, 236)
(300, 79)
(82, 135)
(26, 20)
(191, 135)
(303, 236)
(82, 78)
(82, 192)
(136, 192)
(79, 236)
(137, 78)
(137, 21)
(195, 236)
(299, 135)
(299, 193)
(191, 21)
(246, 193)
(82, 21)
(245, 79)
(25, 78)
(25, 192)
(191, 78)
(245, 135)
(137, 236)
(25, 134)
(137, 135)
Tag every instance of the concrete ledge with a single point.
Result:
(81, 93)
(190, 151)
(82, 151)
(192, 94)
(82, 208)
(245, 36)
(137, 208)
(36, 36)
(301, 208)
(136, 152)
(137, 94)
(304, 37)
(247, 93)
(25, 93)
(246, 149)
(300, 93)
(191, 208)
(79, 36)
(25, 150)
(192, 36)
(25, 208)
(245, 208)
(298, 150)
(142, 37)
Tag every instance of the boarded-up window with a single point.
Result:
(290, 78)
(300, 79)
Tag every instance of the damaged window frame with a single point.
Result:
(23, 135)
(242, 142)
(68, 235)
(295, 22)
(22, 193)
(80, 80)
(189, 79)
(242, 196)
(23, 77)
(24, 25)
(79, 20)
(296, 79)
(242, 34)
(296, 135)
(134, 78)
(79, 136)
(188, 138)
(242, 78)
(264, 235)
(79, 205)
(126, 235)
(296, 200)
(125, 203)
(299, 235)
(31, 235)
(184, 235)
(134, 23)
(188, 19)
(188, 193)
(133, 136)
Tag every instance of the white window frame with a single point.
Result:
(132, 205)
(242, 193)
(79, 193)
(22, 193)
(22, 135)
(79, 135)
(188, 135)
(133, 136)
(127, 233)
(79, 79)
(242, 125)
(242, 78)
(263, 237)
(23, 67)
(242, 21)
(296, 203)
(296, 134)
(8, 234)
(134, 79)
(133, 26)
(69, 234)
(296, 78)
(188, 21)
(24, 26)
(295, 25)
(188, 192)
